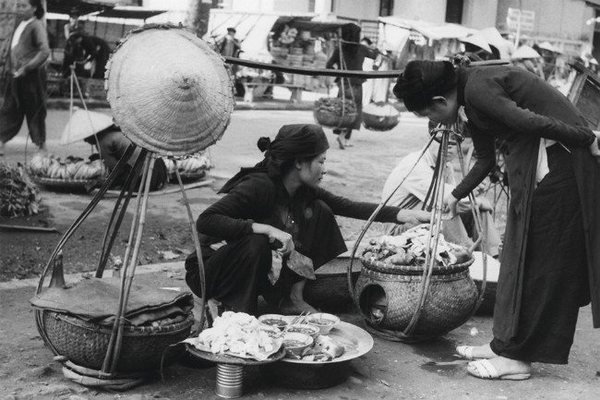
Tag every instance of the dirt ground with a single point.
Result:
(391, 370)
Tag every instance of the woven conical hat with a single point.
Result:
(83, 124)
(169, 91)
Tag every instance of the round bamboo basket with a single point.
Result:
(85, 343)
(395, 291)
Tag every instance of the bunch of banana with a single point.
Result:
(57, 170)
(90, 170)
(194, 164)
(40, 163)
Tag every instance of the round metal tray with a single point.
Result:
(226, 359)
(356, 341)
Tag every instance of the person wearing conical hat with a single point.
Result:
(550, 263)
(100, 131)
(276, 205)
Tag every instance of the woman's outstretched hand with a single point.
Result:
(413, 217)
(276, 235)
(450, 205)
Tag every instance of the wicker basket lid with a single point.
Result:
(169, 91)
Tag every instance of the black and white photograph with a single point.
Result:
(300, 199)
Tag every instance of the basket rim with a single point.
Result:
(44, 179)
(127, 329)
(380, 266)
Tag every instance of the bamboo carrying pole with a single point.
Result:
(196, 246)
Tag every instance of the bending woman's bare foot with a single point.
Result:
(476, 352)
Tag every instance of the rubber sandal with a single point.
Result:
(466, 352)
(484, 369)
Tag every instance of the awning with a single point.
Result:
(430, 30)
(129, 12)
(82, 6)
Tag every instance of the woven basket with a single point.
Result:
(333, 119)
(66, 184)
(85, 343)
(450, 300)
(95, 88)
(377, 122)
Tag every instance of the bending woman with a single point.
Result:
(277, 204)
(550, 264)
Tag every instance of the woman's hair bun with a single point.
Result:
(263, 143)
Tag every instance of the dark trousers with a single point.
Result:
(352, 92)
(237, 273)
(555, 279)
(25, 98)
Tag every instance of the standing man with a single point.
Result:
(229, 46)
(25, 93)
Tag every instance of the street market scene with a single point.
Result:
(324, 199)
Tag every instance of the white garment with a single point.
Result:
(542, 160)
(19, 32)
(417, 182)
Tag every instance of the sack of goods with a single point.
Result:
(73, 168)
(334, 112)
(193, 167)
(410, 248)
(380, 116)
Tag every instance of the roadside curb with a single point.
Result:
(171, 267)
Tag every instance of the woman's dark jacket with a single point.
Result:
(262, 199)
(515, 105)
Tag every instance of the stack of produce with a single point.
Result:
(191, 167)
(72, 169)
(380, 116)
(18, 195)
(335, 112)
(410, 248)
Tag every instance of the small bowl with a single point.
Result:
(276, 320)
(324, 321)
(295, 343)
(308, 329)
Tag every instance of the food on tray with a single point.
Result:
(410, 248)
(324, 321)
(275, 320)
(296, 344)
(72, 168)
(191, 165)
(239, 335)
(307, 329)
(324, 349)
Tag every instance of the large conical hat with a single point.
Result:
(83, 124)
(169, 91)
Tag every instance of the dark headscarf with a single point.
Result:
(293, 142)
(423, 80)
